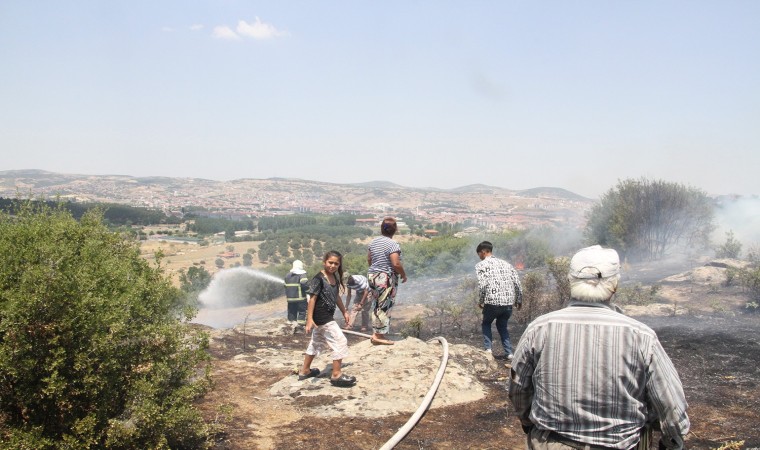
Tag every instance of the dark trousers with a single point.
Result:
(501, 315)
(297, 312)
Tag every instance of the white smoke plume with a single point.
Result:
(740, 215)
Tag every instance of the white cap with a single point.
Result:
(595, 262)
(297, 267)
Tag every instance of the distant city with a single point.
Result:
(485, 206)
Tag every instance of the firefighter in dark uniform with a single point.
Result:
(295, 291)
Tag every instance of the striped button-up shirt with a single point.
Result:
(498, 282)
(596, 376)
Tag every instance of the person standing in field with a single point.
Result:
(385, 268)
(589, 377)
(498, 290)
(295, 293)
(359, 285)
(324, 292)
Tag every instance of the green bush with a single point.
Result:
(636, 294)
(558, 268)
(753, 254)
(644, 219)
(731, 275)
(750, 281)
(536, 299)
(732, 248)
(436, 257)
(93, 352)
(413, 327)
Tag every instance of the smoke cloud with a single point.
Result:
(740, 215)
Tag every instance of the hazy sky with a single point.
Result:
(517, 94)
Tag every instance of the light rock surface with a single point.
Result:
(390, 379)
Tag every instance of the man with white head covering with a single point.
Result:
(588, 377)
(295, 292)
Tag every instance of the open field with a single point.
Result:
(178, 256)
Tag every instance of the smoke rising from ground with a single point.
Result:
(740, 215)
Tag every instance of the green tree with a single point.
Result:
(644, 219)
(219, 262)
(732, 248)
(93, 353)
(437, 257)
(308, 257)
(342, 220)
(194, 280)
(247, 259)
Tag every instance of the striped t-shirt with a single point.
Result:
(380, 250)
(359, 283)
(596, 376)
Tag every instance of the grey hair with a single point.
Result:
(594, 290)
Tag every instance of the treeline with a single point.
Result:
(304, 220)
(447, 255)
(211, 225)
(282, 222)
(309, 244)
(113, 213)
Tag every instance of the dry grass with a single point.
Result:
(178, 256)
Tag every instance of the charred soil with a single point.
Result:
(701, 323)
(718, 359)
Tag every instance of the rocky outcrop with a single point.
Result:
(391, 379)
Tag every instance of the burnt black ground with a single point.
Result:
(718, 360)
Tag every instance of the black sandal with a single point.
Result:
(312, 373)
(343, 381)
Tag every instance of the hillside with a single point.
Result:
(490, 207)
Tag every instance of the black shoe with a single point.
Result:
(343, 381)
(312, 373)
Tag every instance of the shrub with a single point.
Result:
(753, 254)
(636, 294)
(558, 268)
(750, 281)
(413, 327)
(536, 299)
(457, 314)
(729, 249)
(731, 275)
(93, 353)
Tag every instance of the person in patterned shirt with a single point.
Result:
(589, 377)
(385, 269)
(499, 289)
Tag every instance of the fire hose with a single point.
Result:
(407, 427)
